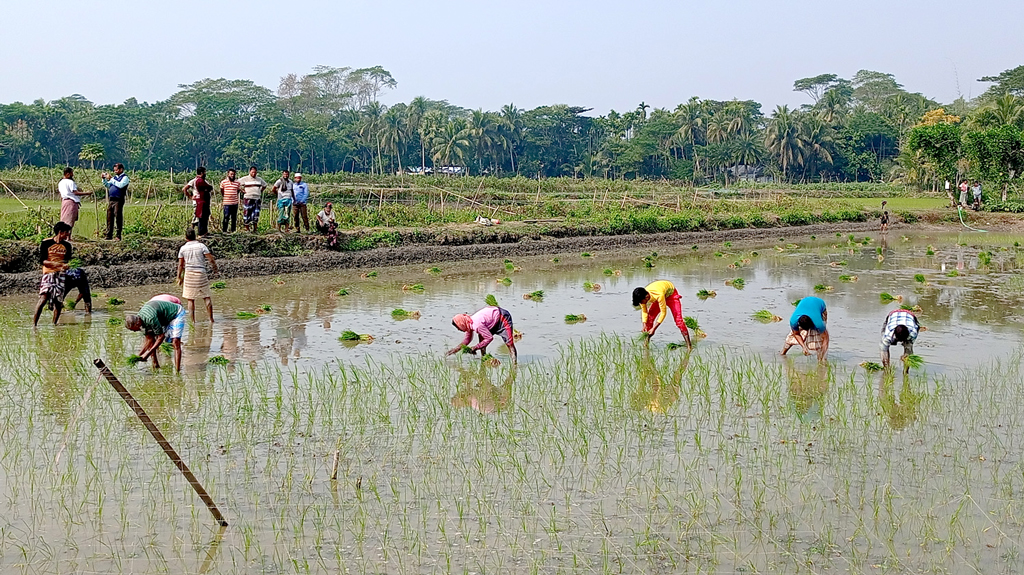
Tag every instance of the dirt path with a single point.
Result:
(136, 274)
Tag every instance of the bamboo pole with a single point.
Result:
(161, 440)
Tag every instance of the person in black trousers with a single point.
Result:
(117, 190)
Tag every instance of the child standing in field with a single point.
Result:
(885, 221)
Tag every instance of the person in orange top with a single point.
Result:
(54, 255)
(655, 301)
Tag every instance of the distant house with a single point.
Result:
(418, 171)
(452, 170)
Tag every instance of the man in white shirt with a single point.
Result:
(192, 278)
(70, 198)
(252, 199)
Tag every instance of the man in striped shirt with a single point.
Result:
(901, 326)
(229, 188)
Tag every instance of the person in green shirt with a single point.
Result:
(159, 320)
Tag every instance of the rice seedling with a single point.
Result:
(737, 283)
(913, 308)
(575, 318)
(115, 301)
(727, 244)
(985, 258)
(510, 266)
(920, 278)
(368, 275)
(342, 292)
(871, 366)
(401, 314)
(878, 250)
(886, 297)
(133, 360)
(586, 255)
(490, 361)
(705, 294)
(649, 260)
(820, 288)
(516, 335)
(246, 315)
(114, 321)
(70, 304)
(765, 316)
(913, 361)
(167, 348)
(672, 346)
(719, 254)
(278, 281)
(694, 247)
(930, 251)
(413, 287)
(953, 273)
(218, 285)
(839, 263)
(504, 281)
(754, 254)
(796, 302)
(264, 308)
(591, 287)
(608, 271)
(792, 246)
(691, 323)
(847, 278)
(434, 270)
(466, 349)
(491, 300)
(350, 337)
(537, 295)
(218, 360)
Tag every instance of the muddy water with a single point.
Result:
(970, 318)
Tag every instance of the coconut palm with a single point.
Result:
(485, 129)
(833, 107)
(393, 134)
(782, 138)
(512, 125)
(816, 141)
(370, 128)
(414, 115)
(452, 143)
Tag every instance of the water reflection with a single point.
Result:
(900, 410)
(655, 392)
(808, 386)
(477, 391)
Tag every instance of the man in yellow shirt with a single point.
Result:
(655, 301)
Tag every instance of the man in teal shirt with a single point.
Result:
(159, 320)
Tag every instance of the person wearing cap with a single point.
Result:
(300, 191)
(486, 323)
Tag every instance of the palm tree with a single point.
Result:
(512, 124)
(1006, 110)
(485, 128)
(452, 143)
(718, 129)
(737, 117)
(691, 128)
(782, 138)
(370, 128)
(748, 149)
(833, 106)
(816, 140)
(414, 116)
(393, 133)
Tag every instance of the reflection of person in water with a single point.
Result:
(653, 393)
(900, 411)
(807, 389)
(477, 391)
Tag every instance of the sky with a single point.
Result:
(479, 54)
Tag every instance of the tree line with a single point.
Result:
(865, 128)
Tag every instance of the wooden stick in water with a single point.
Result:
(160, 439)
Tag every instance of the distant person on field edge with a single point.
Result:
(326, 225)
(54, 255)
(963, 193)
(300, 190)
(285, 196)
(252, 199)
(229, 189)
(159, 320)
(202, 194)
(808, 327)
(655, 301)
(885, 221)
(976, 190)
(117, 191)
(70, 199)
(192, 276)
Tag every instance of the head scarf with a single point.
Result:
(463, 322)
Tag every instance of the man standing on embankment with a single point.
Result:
(117, 190)
(252, 199)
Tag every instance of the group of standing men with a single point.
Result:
(292, 198)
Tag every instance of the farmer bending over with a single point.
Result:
(486, 323)
(159, 320)
(900, 326)
(655, 300)
(808, 327)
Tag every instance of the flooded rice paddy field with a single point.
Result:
(594, 455)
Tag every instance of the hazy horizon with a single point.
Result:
(600, 55)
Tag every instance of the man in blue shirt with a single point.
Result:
(301, 192)
(808, 329)
(117, 189)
